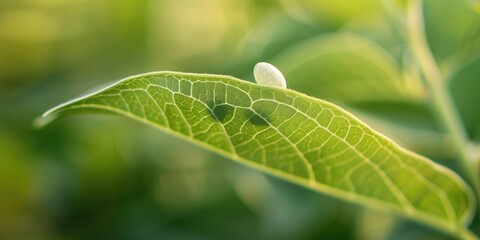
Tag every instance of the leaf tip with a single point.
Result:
(44, 120)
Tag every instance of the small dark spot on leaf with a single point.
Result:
(257, 120)
(254, 118)
(220, 111)
(223, 112)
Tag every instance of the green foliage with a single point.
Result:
(106, 177)
(344, 67)
(290, 135)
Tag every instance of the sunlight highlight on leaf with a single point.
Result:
(295, 137)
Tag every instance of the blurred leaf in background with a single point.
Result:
(103, 177)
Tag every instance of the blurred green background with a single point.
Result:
(106, 177)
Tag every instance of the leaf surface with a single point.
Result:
(352, 70)
(295, 137)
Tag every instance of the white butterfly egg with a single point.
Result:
(268, 75)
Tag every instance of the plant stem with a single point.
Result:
(439, 90)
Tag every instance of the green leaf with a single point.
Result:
(452, 41)
(292, 136)
(354, 71)
(346, 68)
(464, 86)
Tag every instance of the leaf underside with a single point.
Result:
(293, 136)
